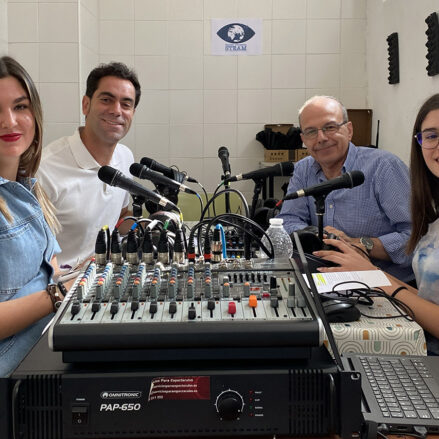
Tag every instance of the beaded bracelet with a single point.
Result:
(55, 296)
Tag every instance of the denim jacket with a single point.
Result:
(26, 249)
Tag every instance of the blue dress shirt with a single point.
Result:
(377, 208)
(27, 246)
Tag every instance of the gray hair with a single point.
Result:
(310, 100)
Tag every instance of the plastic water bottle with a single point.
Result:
(283, 246)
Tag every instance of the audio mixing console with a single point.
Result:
(153, 312)
(191, 350)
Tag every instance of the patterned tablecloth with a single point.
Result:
(379, 336)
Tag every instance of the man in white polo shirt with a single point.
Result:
(69, 166)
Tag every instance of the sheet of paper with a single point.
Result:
(326, 281)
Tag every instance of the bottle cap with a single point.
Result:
(276, 221)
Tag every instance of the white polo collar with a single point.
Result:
(83, 157)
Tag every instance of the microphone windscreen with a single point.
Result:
(146, 161)
(223, 150)
(106, 174)
(287, 168)
(136, 169)
(357, 178)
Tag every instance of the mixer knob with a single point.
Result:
(229, 405)
(153, 307)
(76, 307)
(114, 307)
(232, 308)
(96, 306)
(274, 302)
(192, 313)
(172, 307)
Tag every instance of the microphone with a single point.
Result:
(113, 177)
(223, 154)
(345, 181)
(166, 170)
(282, 168)
(141, 171)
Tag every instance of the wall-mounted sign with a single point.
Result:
(236, 36)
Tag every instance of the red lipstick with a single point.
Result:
(12, 137)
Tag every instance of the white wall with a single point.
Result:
(396, 105)
(3, 27)
(43, 36)
(192, 103)
(88, 41)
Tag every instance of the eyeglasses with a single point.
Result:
(428, 139)
(311, 133)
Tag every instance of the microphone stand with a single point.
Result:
(227, 194)
(138, 205)
(259, 183)
(320, 211)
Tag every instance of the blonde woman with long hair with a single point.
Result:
(27, 220)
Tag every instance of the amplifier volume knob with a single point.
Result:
(229, 405)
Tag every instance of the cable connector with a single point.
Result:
(147, 248)
(207, 248)
(191, 255)
(420, 431)
(101, 248)
(217, 246)
(383, 428)
(132, 246)
(178, 247)
(116, 250)
(163, 248)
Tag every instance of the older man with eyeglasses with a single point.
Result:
(375, 216)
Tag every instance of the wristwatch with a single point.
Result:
(55, 296)
(368, 243)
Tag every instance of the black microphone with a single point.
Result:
(166, 170)
(345, 181)
(282, 168)
(141, 171)
(113, 177)
(223, 154)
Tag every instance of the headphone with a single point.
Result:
(265, 212)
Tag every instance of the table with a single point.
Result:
(387, 336)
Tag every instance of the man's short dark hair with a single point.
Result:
(117, 69)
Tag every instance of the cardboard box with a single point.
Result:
(276, 155)
(283, 155)
(299, 154)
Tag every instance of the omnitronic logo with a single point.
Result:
(236, 33)
(110, 394)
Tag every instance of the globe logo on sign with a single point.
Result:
(236, 33)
